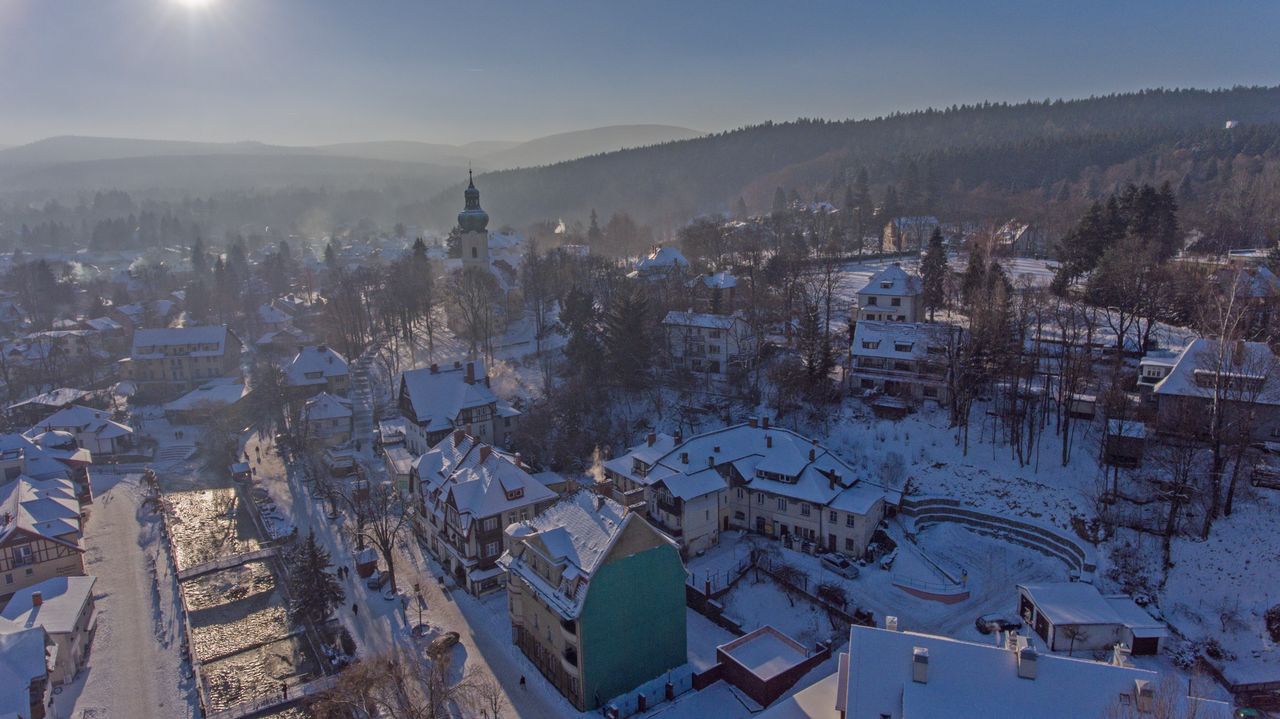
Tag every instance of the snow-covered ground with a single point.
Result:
(136, 665)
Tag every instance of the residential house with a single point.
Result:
(1243, 377)
(470, 492)
(317, 368)
(137, 315)
(751, 476)
(49, 455)
(33, 409)
(708, 344)
(181, 358)
(907, 360)
(201, 403)
(280, 342)
(659, 264)
(1071, 616)
(327, 420)
(715, 292)
(892, 295)
(25, 689)
(909, 234)
(40, 533)
(1020, 239)
(1256, 289)
(93, 429)
(271, 318)
(596, 597)
(1154, 366)
(437, 400)
(891, 674)
(64, 608)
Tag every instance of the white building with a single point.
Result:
(755, 477)
(435, 401)
(1075, 616)
(907, 360)
(93, 429)
(1243, 376)
(64, 607)
(891, 674)
(708, 344)
(892, 295)
(470, 492)
(317, 368)
(327, 419)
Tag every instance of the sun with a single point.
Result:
(193, 4)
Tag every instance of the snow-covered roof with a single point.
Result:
(1248, 370)
(147, 341)
(1081, 603)
(900, 340)
(54, 398)
(662, 259)
(719, 281)
(326, 406)
(968, 680)
(783, 455)
(314, 365)
(1257, 281)
(62, 601)
(575, 533)
(765, 652)
(486, 483)
(271, 315)
(22, 660)
(894, 281)
(699, 319)
(82, 420)
(45, 507)
(103, 324)
(218, 393)
(439, 396)
(1159, 358)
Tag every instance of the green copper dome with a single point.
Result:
(472, 218)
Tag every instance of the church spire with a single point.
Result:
(472, 218)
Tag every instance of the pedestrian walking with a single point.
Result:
(355, 609)
(284, 690)
(522, 681)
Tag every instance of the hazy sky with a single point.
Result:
(314, 71)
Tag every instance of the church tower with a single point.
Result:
(474, 222)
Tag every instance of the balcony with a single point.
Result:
(569, 630)
(891, 373)
(569, 661)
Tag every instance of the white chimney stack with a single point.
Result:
(891, 623)
(1027, 662)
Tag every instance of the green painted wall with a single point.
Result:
(632, 625)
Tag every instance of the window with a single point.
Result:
(833, 516)
(739, 492)
(739, 515)
(782, 504)
(708, 513)
(896, 302)
(848, 544)
(869, 345)
(760, 498)
(804, 510)
(474, 253)
(22, 555)
(713, 349)
(871, 301)
(8, 579)
(848, 520)
(492, 548)
(903, 346)
(931, 392)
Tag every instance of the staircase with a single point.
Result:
(171, 453)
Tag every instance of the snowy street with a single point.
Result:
(137, 666)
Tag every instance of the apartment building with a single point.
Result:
(907, 360)
(707, 343)
(437, 400)
(892, 295)
(181, 357)
(40, 533)
(317, 368)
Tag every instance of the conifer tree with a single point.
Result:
(933, 271)
(316, 591)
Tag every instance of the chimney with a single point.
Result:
(435, 368)
(768, 441)
(711, 460)
(518, 460)
(1120, 655)
(1144, 697)
(679, 436)
(684, 458)
(1027, 662)
(891, 623)
(37, 598)
(652, 438)
(599, 502)
(457, 364)
(811, 454)
(471, 373)
(717, 449)
(457, 437)
(484, 453)
(753, 422)
(920, 665)
(764, 422)
(486, 380)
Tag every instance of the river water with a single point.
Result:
(240, 629)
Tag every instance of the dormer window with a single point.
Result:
(870, 345)
(903, 346)
(886, 284)
(516, 493)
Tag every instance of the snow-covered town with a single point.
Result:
(945, 413)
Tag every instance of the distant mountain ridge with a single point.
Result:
(666, 184)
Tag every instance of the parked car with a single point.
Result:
(988, 623)
(887, 560)
(443, 643)
(377, 580)
(840, 565)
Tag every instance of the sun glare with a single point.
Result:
(193, 3)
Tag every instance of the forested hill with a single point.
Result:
(1038, 143)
